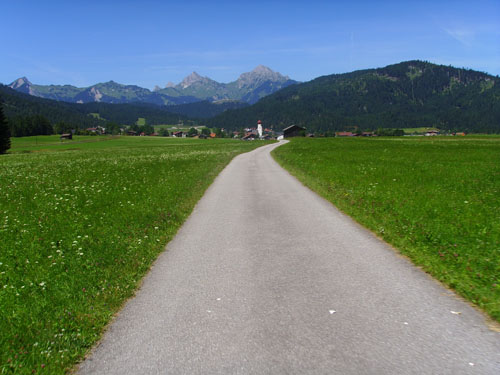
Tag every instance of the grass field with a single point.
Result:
(436, 200)
(44, 143)
(97, 116)
(420, 130)
(80, 224)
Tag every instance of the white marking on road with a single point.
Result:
(332, 312)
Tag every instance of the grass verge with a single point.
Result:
(436, 200)
(80, 228)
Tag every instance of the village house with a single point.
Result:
(344, 134)
(293, 131)
(432, 133)
(96, 130)
(249, 136)
(179, 134)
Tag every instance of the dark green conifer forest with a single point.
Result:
(405, 95)
(4, 132)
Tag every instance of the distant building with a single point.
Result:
(293, 131)
(431, 133)
(249, 136)
(179, 134)
(344, 134)
(97, 130)
(66, 136)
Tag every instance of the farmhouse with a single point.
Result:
(344, 134)
(431, 133)
(179, 134)
(293, 131)
(66, 136)
(249, 136)
(97, 130)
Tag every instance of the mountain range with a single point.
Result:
(404, 95)
(248, 88)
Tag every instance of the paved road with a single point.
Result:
(265, 277)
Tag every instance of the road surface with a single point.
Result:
(265, 277)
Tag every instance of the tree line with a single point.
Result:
(4, 132)
(28, 115)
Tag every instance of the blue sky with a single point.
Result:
(149, 43)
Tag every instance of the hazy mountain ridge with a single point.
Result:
(249, 88)
(408, 94)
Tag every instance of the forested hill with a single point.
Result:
(19, 106)
(408, 94)
(206, 109)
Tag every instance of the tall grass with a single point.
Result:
(437, 200)
(79, 229)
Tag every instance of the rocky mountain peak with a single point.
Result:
(169, 84)
(262, 69)
(23, 85)
(19, 83)
(260, 74)
(192, 78)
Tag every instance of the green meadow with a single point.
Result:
(420, 130)
(435, 199)
(80, 224)
(141, 121)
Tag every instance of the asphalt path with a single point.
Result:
(266, 277)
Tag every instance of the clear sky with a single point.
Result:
(150, 42)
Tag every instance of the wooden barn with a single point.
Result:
(293, 131)
(179, 134)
